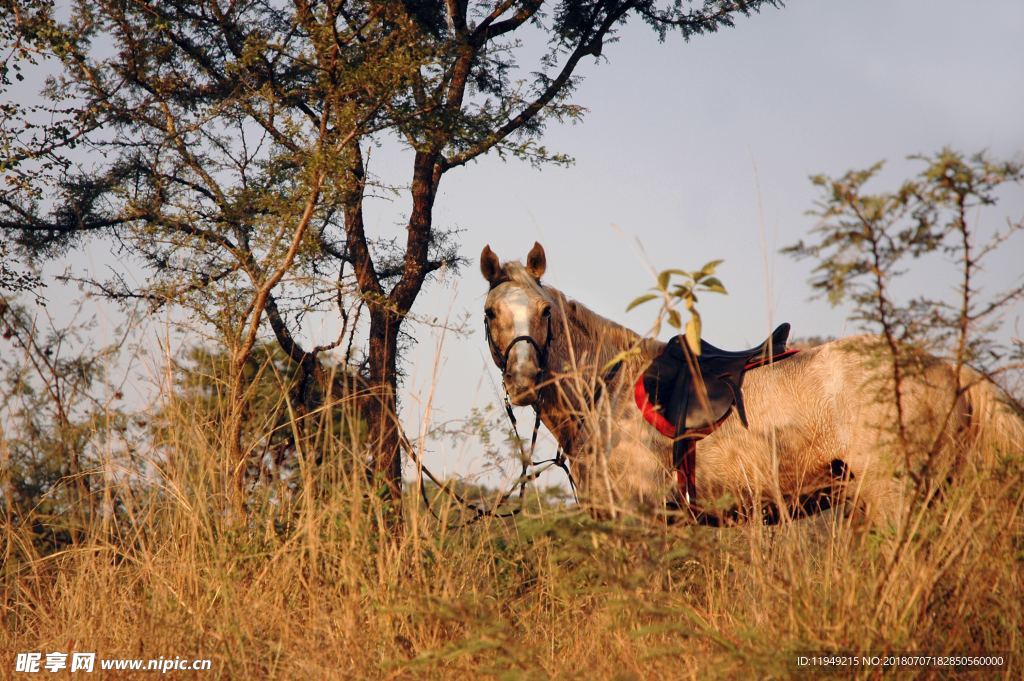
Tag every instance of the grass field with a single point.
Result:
(311, 585)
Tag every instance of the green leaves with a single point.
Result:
(714, 285)
(641, 300)
(682, 292)
(693, 332)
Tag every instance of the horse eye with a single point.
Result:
(489, 313)
(546, 312)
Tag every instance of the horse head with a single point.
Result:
(517, 322)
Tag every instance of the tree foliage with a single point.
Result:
(60, 415)
(865, 242)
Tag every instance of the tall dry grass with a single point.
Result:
(312, 585)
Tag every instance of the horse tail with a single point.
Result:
(996, 421)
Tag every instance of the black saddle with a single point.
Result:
(685, 396)
(696, 392)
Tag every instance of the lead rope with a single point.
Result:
(558, 460)
(525, 477)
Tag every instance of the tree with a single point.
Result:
(863, 246)
(14, 280)
(223, 135)
(235, 141)
(59, 414)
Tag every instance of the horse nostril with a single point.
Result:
(522, 378)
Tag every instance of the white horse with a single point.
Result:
(821, 424)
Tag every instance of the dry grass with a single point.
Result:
(312, 587)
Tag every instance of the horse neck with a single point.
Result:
(583, 338)
(582, 343)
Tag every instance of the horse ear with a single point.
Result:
(489, 265)
(536, 261)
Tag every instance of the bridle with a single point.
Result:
(542, 360)
(526, 476)
(502, 357)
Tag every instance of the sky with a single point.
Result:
(702, 150)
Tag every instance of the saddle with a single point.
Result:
(686, 396)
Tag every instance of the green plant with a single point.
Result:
(671, 294)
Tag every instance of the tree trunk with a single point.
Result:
(387, 312)
(381, 409)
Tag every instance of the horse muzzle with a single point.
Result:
(522, 363)
(522, 386)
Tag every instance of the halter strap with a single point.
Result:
(542, 351)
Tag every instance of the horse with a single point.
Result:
(823, 425)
